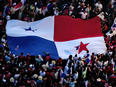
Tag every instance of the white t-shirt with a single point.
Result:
(83, 15)
(99, 6)
(42, 73)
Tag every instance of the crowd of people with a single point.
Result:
(91, 70)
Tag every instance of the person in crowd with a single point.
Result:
(88, 10)
(32, 7)
(31, 16)
(96, 11)
(20, 14)
(84, 15)
(39, 81)
(72, 82)
(48, 8)
(99, 5)
(71, 7)
(25, 12)
(39, 7)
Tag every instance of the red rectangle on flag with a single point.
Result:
(67, 28)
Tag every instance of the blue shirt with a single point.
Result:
(7, 58)
(39, 83)
(1, 46)
(7, 10)
(39, 5)
(72, 84)
(49, 6)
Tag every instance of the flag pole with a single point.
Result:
(18, 51)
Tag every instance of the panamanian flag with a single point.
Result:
(57, 35)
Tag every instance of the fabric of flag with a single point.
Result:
(56, 35)
(19, 5)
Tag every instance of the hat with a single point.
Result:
(40, 77)
(11, 79)
(98, 79)
(53, 62)
(35, 75)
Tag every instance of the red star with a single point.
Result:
(82, 47)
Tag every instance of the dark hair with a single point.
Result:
(75, 55)
(111, 31)
(70, 57)
(72, 79)
(87, 51)
(22, 53)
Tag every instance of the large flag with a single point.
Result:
(57, 35)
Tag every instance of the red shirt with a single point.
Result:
(7, 77)
(49, 76)
(112, 78)
(28, 59)
(59, 60)
(21, 58)
(107, 39)
(103, 83)
(66, 12)
(47, 58)
(106, 27)
(0, 77)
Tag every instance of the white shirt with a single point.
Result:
(66, 70)
(83, 15)
(56, 12)
(50, 66)
(75, 59)
(42, 73)
(101, 16)
(71, 8)
(16, 76)
(75, 76)
(99, 6)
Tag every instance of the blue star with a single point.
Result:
(29, 29)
